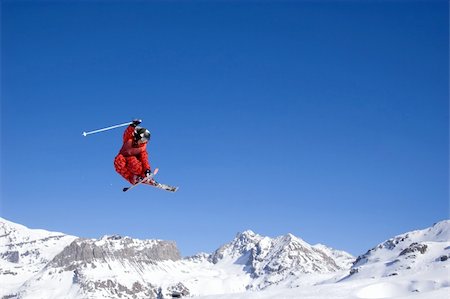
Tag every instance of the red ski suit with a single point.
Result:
(132, 160)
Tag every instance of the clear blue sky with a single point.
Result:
(328, 119)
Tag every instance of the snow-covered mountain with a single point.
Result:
(411, 252)
(42, 264)
(113, 265)
(25, 252)
(269, 261)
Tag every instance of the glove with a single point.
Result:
(148, 172)
(136, 122)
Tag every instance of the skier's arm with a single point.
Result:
(129, 131)
(128, 134)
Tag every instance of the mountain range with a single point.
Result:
(36, 263)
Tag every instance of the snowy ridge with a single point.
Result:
(53, 265)
(24, 252)
(413, 251)
(343, 259)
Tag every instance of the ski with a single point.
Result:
(165, 187)
(146, 179)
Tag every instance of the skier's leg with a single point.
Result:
(120, 164)
(135, 167)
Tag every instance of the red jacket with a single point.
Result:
(131, 148)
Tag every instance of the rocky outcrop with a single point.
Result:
(84, 251)
(11, 256)
(413, 248)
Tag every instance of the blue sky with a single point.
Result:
(327, 119)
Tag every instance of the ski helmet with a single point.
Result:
(141, 134)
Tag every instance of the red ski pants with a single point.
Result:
(128, 167)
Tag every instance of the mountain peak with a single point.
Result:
(291, 238)
(246, 233)
(247, 236)
(270, 260)
(440, 231)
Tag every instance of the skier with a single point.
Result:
(132, 160)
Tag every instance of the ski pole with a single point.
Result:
(106, 129)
